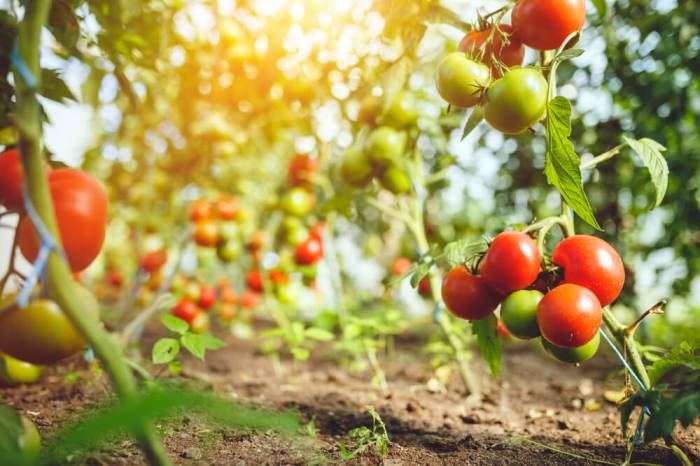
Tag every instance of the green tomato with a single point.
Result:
(230, 250)
(297, 201)
(395, 180)
(289, 293)
(41, 333)
(229, 230)
(200, 324)
(402, 111)
(15, 372)
(460, 80)
(519, 313)
(192, 291)
(384, 145)
(355, 168)
(573, 355)
(296, 236)
(516, 101)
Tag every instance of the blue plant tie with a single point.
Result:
(48, 244)
(438, 311)
(89, 354)
(22, 67)
(645, 411)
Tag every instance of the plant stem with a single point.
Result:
(595, 161)
(60, 285)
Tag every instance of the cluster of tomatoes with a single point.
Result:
(215, 225)
(486, 70)
(382, 153)
(40, 333)
(196, 300)
(563, 304)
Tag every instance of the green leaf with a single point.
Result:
(10, 431)
(53, 87)
(165, 350)
(476, 117)
(194, 344)
(319, 334)
(683, 355)
(460, 251)
(650, 152)
(300, 354)
(393, 80)
(63, 23)
(85, 432)
(174, 324)
(568, 54)
(489, 344)
(210, 342)
(421, 271)
(561, 162)
(601, 7)
(683, 408)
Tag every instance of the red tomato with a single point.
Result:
(80, 205)
(309, 252)
(11, 180)
(279, 277)
(506, 50)
(227, 207)
(300, 168)
(569, 316)
(400, 266)
(424, 287)
(206, 233)
(250, 299)
(511, 263)
(227, 311)
(207, 297)
(115, 278)
(544, 24)
(254, 281)
(591, 262)
(228, 294)
(154, 260)
(200, 210)
(186, 310)
(467, 296)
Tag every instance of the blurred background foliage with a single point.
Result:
(193, 97)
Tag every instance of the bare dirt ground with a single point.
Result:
(537, 399)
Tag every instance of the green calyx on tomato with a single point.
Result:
(15, 372)
(573, 355)
(504, 50)
(519, 313)
(516, 101)
(460, 80)
(41, 333)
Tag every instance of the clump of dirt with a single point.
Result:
(540, 406)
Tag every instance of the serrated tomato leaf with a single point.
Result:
(475, 117)
(650, 152)
(561, 162)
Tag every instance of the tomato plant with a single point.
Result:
(12, 180)
(300, 170)
(153, 261)
(186, 310)
(309, 252)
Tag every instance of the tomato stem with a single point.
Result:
(61, 287)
